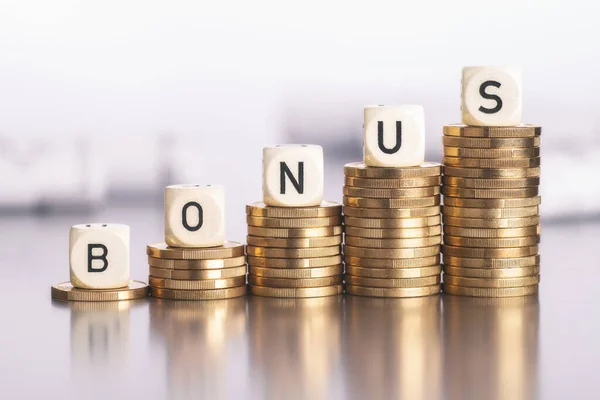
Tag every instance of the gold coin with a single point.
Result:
(392, 183)
(325, 209)
(492, 131)
(297, 273)
(323, 241)
(392, 223)
(490, 173)
(296, 292)
(392, 263)
(213, 294)
(492, 232)
(488, 213)
(490, 143)
(228, 250)
(165, 263)
(393, 292)
(492, 263)
(479, 183)
(490, 193)
(294, 262)
(66, 292)
(390, 193)
(492, 203)
(293, 222)
(400, 233)
(391, 212)
(491, 223)
(492, 273)
(491, 283)
(360, 170)
(492, 162)
(393, 273)
(198, 273)
(293, 253)
(295, 283)
(491, 242)
(469, 152)
(470, 252)
(392, 283)
(391, 253)
(294, 232)
(393, 243)
(490, 292)
(208, 284)
(409, 202)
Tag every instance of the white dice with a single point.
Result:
(293, 175)
(394, 136)
(194, 215)
(492, 96)
(99, 256)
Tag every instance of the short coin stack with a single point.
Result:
(197, 273)
(295, 251)
(392, 230)
(490, 213)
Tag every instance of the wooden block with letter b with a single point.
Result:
(394, 136)
(99, 256)
(194, 215)
(492, 96)
(293, 175)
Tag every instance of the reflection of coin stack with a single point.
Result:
(392, 230)
(196, 263)
(295, 252)
(294, 238)
(490, 187)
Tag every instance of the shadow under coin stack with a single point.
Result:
(196, 263)
(392, 230)
(490, 187)
(295, 251)
(294, 237)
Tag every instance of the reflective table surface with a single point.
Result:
(449, 347)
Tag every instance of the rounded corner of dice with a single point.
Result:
(99, 256)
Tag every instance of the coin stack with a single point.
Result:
(295, 251)
(392, 230)
(490, 213)
(197, 273)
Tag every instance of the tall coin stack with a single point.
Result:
(490, 187)
(392, 209)
(294, 245)
(196, 263)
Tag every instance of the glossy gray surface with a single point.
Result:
(341, 347)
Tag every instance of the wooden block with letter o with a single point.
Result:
(492, 96)
(99, 256)
(194, 215)
(293, 175)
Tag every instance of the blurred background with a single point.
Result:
(105, 103)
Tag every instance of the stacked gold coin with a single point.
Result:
(490, 213)
(295, 251)
(206, 273)
(392, 230)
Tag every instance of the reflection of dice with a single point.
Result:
(194, 215)
(394, 136)
(293, 175)
(492, 96)
(99, 256)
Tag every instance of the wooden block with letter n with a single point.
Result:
(293, 175)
